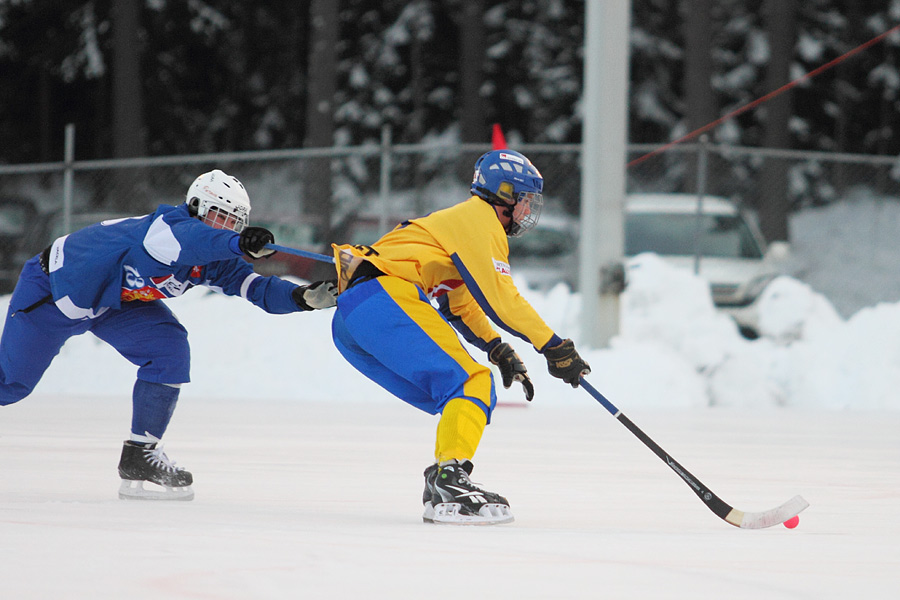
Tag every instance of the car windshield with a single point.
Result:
(13, 220)
(725, 236)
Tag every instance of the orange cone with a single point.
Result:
(498, 142)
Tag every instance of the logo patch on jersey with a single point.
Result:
(135, 287)
(145, 294)
(444, 287)
(172, 286)
(133, 279)
(197, 272)
(160, 281)
(501, 267)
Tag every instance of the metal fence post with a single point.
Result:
(702, 151)
(68, 177)
(603, 181)
(384, 184)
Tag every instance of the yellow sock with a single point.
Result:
(459, 430)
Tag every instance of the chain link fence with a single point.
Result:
(803, 178)
(310, 197)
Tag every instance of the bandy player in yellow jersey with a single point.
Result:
(387, 326)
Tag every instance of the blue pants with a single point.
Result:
(145, 333)
(389, 331)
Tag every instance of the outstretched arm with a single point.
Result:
(321, 294)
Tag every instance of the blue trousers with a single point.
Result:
(389, 331)
(146, 333)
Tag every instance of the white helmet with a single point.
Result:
(219, 200)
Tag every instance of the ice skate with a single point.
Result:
(458, 501)
(148, 474)
(430, 476)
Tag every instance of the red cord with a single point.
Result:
(768, 96)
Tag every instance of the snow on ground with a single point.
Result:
(308, 477)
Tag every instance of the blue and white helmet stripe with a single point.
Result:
(507, 178)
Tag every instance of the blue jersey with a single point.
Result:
(154, 257)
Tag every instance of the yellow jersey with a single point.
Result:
(459, 257)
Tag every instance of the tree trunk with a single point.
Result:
(128, 100)
(44, 108)
(773, 202)
(699, 97)
(473, 127)
(322, 69)
(847, 96)
(128, 187)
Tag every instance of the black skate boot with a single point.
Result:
(430, 476)
(458, 501)
(142, 464)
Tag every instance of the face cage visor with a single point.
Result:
(526, 213)
(219, 218)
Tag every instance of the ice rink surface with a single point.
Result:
(312, 499)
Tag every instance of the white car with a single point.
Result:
(723, 241)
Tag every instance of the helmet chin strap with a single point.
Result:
(508, 213)
(494, 200)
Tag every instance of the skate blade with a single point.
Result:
(428, 515)
(135, 490)
(447, 513)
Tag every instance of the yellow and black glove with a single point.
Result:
(511, 368)
(565, 363)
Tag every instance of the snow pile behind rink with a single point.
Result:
(674, 350)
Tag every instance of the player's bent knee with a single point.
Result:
(172, 367)
(481, 385)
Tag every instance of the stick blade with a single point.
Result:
(775, 516)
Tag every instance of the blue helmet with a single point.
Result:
(508, 179)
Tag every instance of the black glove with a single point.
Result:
(511, 368)
(564, 363)
(253, 242)
(321, 294)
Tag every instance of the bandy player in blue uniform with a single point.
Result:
(108, 279)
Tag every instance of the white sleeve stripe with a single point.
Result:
(57, 257)
(160, 242)
(76, 313)
(245, 287)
